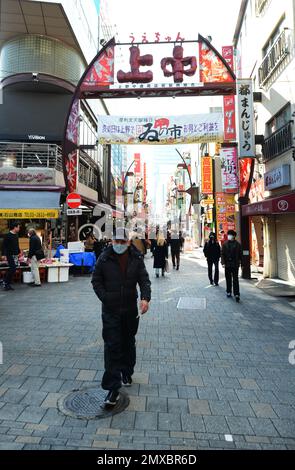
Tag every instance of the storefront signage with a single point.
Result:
(36, 137)
(225, 214)
(207, 202)
(229, 169)
(29, 213)
(277, 177)
(46, 176)
(278, 205)
(245, 118)
(229, 111)
(229, 105)
(207, 175)
(167, 130)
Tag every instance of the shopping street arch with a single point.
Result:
(105, 79)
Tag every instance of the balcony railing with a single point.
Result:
(278, 143)
(38, 155)
(274, 57)
(24, 155)
(88, 176)
(260, 5)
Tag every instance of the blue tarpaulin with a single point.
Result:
(83, 259)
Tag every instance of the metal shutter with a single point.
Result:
(285, 227)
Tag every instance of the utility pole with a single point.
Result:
(245, 228)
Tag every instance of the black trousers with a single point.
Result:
(11, 271)
(232, 280)
(119, 330)
(175, 255)
(212, 262)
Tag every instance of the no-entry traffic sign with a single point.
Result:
(74, 200)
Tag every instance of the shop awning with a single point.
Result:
(29, 204)
(278, 205)
(29, 200)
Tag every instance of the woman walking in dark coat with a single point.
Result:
(160, 252)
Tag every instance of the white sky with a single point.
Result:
(215, 18)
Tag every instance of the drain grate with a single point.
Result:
(192, 303)
(89, 404)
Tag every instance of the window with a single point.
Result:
(274, 36)
(279, 120)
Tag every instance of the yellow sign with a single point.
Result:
(29, 213)
(207, 202)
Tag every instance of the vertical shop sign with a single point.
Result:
(207, 175)
(246, 118)
(229, 169)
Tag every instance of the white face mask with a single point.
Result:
(120, 249)
(230, 237)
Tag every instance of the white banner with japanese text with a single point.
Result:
(245, 118)
(229, 169)
(195, 128)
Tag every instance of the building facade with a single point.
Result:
(45, 47)
(268, 58)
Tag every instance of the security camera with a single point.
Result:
(35, 76)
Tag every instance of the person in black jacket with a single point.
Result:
(175, 244)
(35, 249)
(11, 250)
(231, 259)
(212, 253)
(118, 271)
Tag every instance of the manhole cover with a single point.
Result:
(192, 303)
(89, 404)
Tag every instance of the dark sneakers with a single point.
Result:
(126, 380)
(112, 398)
(237, 298)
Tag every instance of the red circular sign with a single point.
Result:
(74, 200)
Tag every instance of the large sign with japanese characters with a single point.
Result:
(246, 118)
(28, 176)
(163, 66)
(168, 130)
(177, 68)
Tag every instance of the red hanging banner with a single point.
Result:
(101, 74)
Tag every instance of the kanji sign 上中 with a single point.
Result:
(246, 118)
(114, 73)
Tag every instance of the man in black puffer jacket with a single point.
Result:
(212, 253)
(118, 271)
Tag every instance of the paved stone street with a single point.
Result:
(203, 376)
